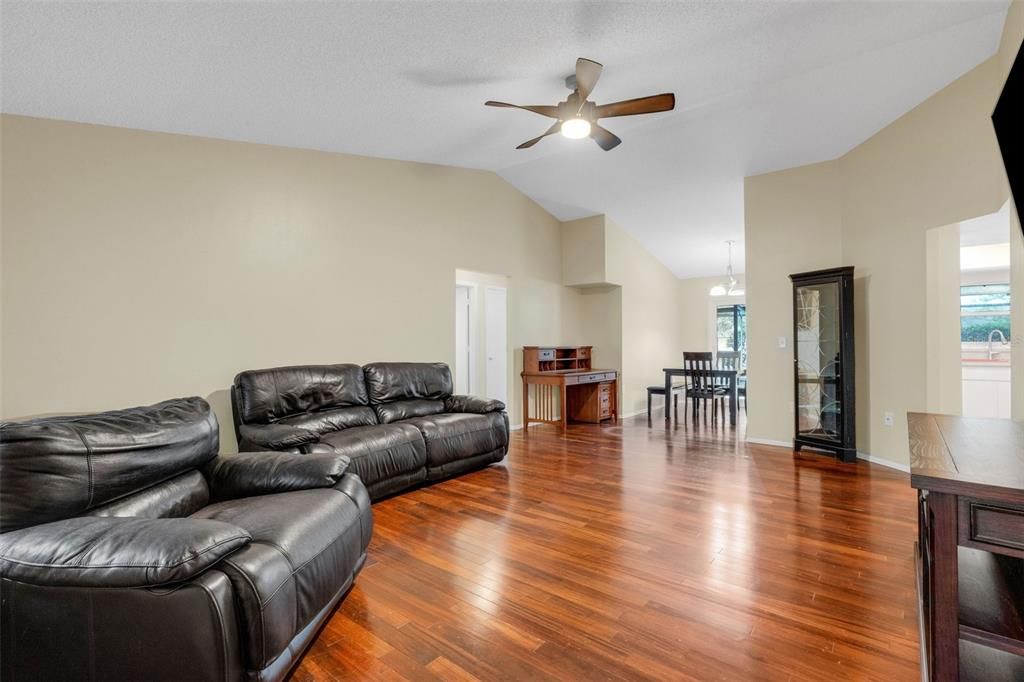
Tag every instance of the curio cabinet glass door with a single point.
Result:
(824, 361)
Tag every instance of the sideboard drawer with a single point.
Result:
(993, 525)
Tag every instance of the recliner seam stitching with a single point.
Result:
(252, 586)
(220, 617)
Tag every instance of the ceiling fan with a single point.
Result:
(577, 117)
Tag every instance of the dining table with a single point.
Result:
(729, 375)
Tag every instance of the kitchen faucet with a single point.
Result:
(1002, 341)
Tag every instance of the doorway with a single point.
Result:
(463, 339)
(496, 345)
(481, 358)
(969, 311)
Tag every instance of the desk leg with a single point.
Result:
(615, 401)
(564, 408)
(945, 599)
(668, 398)
(734, 395)
(526, 405)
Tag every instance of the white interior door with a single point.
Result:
(463, 331)
(496, 342)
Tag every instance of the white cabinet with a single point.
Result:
(986, 390)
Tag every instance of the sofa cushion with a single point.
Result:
(402, 390)
(57, 467)
(262, 396)
(116, 552)
(454, 436)
(248, 474)
(305, 547)
(180, 496)
(387, 381)
(407, 409)
(378, 453)
(334, 419)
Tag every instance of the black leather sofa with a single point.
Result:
(129, 550)
(397, 422)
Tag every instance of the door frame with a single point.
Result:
(505, 343)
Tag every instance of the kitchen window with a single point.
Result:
(984, 311)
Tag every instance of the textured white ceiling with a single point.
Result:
(759, 85)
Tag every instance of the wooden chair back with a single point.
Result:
(729, 359)
(701, 365)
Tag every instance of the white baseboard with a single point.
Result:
(788, 444)
(881, 461)
(632, 414)
(873, 459)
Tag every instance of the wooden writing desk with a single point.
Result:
(969, 474)
(566, 388)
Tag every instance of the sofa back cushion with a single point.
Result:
(332, 420)
(181, 496)
(401, 390)
(318, 397)
(57, 467)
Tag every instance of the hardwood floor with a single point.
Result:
(636, 552)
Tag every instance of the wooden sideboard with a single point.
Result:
(969, 474)
(560, 385)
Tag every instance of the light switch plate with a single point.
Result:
(782, 342)
(887, 418)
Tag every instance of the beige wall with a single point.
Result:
(939, 164)
(943, 371)
(793, 224)
(165, 264)
(583, 252)
(697, 312)
(650, 316)
(141, 266)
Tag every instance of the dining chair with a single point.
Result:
(660, 390)
(730, 360)
(702, 384)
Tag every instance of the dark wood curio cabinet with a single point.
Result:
(823, 362)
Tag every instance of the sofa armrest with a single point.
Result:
(248, 474)
(116, 552)
(468, 403)
(277, 436)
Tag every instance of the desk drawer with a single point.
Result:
(546, 354)
(992, 525)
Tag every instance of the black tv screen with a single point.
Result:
(1008, 118)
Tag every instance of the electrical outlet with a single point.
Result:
(887, 419)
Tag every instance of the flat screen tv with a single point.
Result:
(1008, 118)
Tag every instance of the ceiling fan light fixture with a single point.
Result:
(717, 290)
(576, 128)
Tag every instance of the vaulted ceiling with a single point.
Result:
(760, 86)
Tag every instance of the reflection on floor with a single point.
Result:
(631, 552)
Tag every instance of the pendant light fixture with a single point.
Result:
(730, 286)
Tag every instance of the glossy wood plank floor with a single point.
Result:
(636, 552)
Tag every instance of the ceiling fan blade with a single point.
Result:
(542, 109)
(606, 139)
(640, 105)
(550, 131)
(587, 73)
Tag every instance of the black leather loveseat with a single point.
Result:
(397, 422)
(129, 550)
